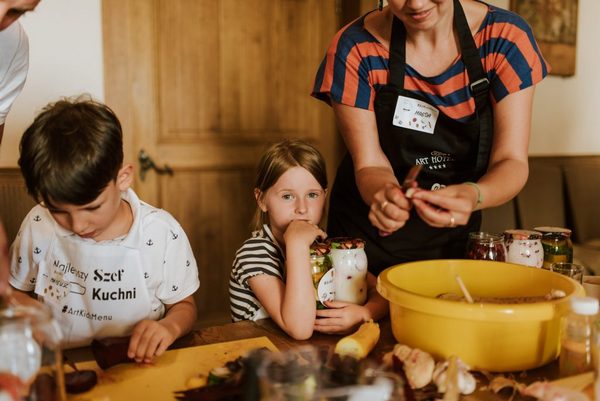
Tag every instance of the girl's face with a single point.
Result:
(419, 14)
(296, 195)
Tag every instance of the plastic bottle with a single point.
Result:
(576, 337)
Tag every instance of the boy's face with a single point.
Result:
(296, 195)
(106, 217)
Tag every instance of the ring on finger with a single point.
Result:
(383, 205)
(452, 221)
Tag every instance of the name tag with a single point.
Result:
(415, 115)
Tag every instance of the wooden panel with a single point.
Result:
(244, 69)
(214, 208)
(15, 203)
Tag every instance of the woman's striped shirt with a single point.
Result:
(356, 66)
(258, 255)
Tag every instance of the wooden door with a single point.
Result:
(203, 86)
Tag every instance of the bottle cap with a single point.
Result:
(584, 305)
(522, 234)
(547, 230)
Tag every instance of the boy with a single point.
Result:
(107, 263)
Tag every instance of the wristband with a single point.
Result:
(479, 196)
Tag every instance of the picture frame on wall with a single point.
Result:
(554, 24)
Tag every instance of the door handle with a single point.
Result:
(146, 163)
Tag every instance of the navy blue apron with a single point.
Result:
(456, 152)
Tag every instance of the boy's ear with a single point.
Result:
(258, 195)
(125, 177)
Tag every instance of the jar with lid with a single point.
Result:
(30, 353)
(576, 337)
(524, 247)
(320, 264)
(486, 246)
(349, 262)
(557, 245)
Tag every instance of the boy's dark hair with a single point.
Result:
(71, 151)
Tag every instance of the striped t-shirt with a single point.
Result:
(258, 255)
(356, 66)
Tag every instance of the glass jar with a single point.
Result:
(349, 262)
(557, 245)
(576, 337)
(30, 354)
(486, 246)
(524, 247)
(320, 264)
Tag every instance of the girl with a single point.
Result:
(271, 275)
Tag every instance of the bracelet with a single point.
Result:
(479, 196)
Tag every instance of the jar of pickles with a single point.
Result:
(524, 247)
(349, 262)
(320, 264)
(557, 245)
(486, 246)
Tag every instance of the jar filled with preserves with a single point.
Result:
(320, 264)
(524, 247)
(31, 362)
(486, 246)
(557, 245)
(349, 262)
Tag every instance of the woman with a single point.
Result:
(14, 62)
(445, 84)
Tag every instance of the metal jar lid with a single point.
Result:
(319, 248)
(550, 230)
(346, 243)
(522, 234)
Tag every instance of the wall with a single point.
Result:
(65, 40)
(66, 59)
(564, 109)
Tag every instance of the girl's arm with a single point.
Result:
(374, 174)
(343, 317)
(507, 173)
(292, 305)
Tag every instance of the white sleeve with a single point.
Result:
(29, 248)
(14, 63)
(180, 271)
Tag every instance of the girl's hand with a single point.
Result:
(389, 209)
(150, 338)
(446, 207)
(341, 318)
(302, 233)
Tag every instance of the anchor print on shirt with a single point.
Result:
(150, 242)
(37, 218)
(174, 236)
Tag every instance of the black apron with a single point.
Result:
(456, 152)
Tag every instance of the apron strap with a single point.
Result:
(397, 54)
(479, 87)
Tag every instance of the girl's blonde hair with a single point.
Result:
(278, 159)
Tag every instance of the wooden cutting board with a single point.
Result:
(169, 373)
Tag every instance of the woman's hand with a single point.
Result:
(150, 338)
(341, 318)
(389, 209)
(446, 207)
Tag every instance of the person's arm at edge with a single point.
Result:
(377, 307)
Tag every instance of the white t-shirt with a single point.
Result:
(102, 289)
(14, 63)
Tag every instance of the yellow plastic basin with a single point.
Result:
(493, 337)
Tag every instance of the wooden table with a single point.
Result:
(267, 328)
